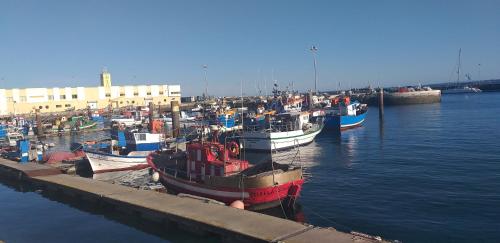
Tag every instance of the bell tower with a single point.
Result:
(105, 78)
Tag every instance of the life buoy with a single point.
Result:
(214, 151)
(234, 149)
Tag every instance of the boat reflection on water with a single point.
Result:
(294, 213)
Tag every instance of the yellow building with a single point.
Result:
(23, 101)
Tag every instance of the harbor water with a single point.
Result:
(427, 173)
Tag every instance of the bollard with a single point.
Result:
(381, 104)
(175, 118)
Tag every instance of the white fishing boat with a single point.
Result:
(130, 156)
(13, 137)
(105, 162)
(126, 121)
(287, 130)
(184, 117)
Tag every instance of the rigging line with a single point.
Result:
(338, 225)
(274, 186)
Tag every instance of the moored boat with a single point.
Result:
(461, 90)
(407, 96)
(106, 162)
(129, 156)
(212, 170)
(282, 131)
(344, 115)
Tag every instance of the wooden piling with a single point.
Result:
(39, 125)
(175, 118)
(381, 104)
(89, 112)
(150, 116)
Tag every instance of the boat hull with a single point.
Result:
(344, 122)
(403, 98)
(461, 91)
(416, 97)
(266, 195)
(277, 140)
(102, 162)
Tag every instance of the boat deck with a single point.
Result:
(230, 223)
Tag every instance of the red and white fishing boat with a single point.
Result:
(212, 170)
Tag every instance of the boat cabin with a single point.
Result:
(213, 159)
(290, 121)
(142, 141)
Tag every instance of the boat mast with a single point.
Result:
(314, 50)
(459, 64)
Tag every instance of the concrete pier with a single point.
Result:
(232, 225)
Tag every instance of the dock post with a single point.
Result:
(381, 104)
(150, 116)
(174, 105)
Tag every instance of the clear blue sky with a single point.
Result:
(67, 43)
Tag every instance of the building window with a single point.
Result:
(63, 97)
(165, 100)
(108, 95)
(136, 94)
(149, 93)
(121, 102)
(67, 105)
(9, 99)
(175, 93)
(40, 107)
(122, 94)
(161, 92)
(46, 107)
(133, 101)
(74, 96)
(58, 106)
(22, 98)
(51, 97)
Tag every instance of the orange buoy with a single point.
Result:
(237, 204)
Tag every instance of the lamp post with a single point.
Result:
(314, 50)
(205, 67)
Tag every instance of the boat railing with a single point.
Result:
(290, 156)
(272, 128)
(192, 176)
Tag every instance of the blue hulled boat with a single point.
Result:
(345, 115)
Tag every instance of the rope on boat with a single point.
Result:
(340, 226)
(274, 185)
